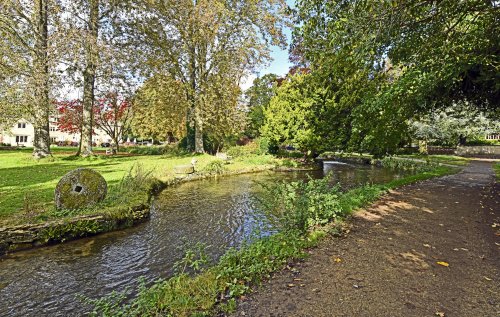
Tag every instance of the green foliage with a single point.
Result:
(206, 48)
(259, 96)
(445, 126)
(194, 259)
(496, 167)
(145, 150)
(443, 159)
(160, 109)
(300, 206)
(259, 147)
(407, 164)
(294, 115)
(216, 167)
(289, 163)
(138, 179)
(481, 141)
(384, 62)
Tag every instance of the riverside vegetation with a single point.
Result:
(27, 185)
(303, 211)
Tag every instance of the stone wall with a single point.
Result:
(33, 235)
(492, 151)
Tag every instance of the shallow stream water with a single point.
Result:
(219, 212)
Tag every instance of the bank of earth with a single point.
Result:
(425, 249)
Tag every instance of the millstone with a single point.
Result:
(79, 189)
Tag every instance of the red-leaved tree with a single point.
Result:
(112, 115)
(69, 113)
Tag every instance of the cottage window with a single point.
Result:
(21, 138)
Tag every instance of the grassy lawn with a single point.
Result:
(496, 167)
(444, 159)
(25, 182)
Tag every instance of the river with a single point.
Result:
(220, 212)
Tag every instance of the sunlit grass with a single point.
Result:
(443, 159)
(24, 180)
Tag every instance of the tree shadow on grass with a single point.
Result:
(37, 174)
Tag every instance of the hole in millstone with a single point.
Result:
(78, 188)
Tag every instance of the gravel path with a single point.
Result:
(427, 249)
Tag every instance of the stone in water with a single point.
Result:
(79, 189)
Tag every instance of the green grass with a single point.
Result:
(496, 167)
(26, 183)
(215, 290)
(443, 159)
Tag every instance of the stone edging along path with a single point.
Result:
(28, 236)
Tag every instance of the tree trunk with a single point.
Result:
(89, 79)
(116, 148)
(41, 141)
(116, 139)
(198, 133)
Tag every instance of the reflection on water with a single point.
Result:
(219, 212)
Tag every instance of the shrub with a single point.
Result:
(137, 182)
(216, 167)
(245, 150)
(299, 206)
(407, 164)
(145, 150)
(483, 142)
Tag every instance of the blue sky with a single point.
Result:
(280, 63)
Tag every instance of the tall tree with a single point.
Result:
(89, 76)
(444, 52)
(208, 46)
(30, 46)
(159, 109)
(99, 61)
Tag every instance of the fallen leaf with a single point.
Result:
(440, 314)
(427, 245)
(443, 263)
(291, 285)
(338, 260)
(487, 278)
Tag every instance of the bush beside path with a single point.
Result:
(426, 249)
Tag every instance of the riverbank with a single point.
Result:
(426, 249)
(215, 289)
(28, 217)
(369, 159)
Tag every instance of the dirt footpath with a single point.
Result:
(427, 249)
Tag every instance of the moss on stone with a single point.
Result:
(79, 189)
